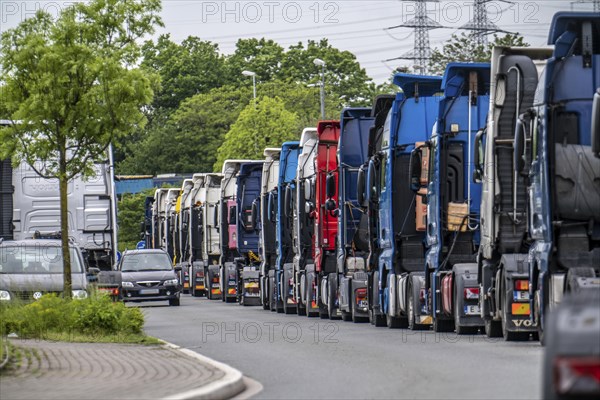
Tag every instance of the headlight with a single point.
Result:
(127, 284)
(171, 282)
(79, 294)
(4, 295)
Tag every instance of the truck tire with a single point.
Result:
(443, 325)
(493, 329)
(307, 300)
(393, 322)
(287, 309)
(264, 292)
(412, 323)
(332, 288)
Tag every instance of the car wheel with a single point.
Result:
(174, 302)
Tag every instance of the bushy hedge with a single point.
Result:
(97, 315)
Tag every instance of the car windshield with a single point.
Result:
(36, 259)
(146, 262)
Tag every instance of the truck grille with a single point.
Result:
(148, 284)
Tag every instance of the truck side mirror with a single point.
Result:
(255, 207)
(371, 182)
(519, 145)
(414, 169)
(308, 207)
(307, 189)
(595, 131)
(330, 205)
(479, 157)
(330, 186)
(271, 209)
(287, 204)
(360, 187)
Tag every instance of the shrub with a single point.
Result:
(96, 315)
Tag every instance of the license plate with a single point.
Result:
(215, 285)
(363, 303)
(472, 310)
(231, 283)
(149, 291)
(252, 294)
(521, 296)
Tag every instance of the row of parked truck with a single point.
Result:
(463, 202)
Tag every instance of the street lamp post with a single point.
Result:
(253, 75)
(320, 63)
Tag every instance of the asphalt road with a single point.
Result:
(298, 357)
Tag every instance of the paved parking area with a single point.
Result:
(57, 370)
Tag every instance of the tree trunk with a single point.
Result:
(64, 221)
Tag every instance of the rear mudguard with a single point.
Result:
(513, 267)
(465, 275)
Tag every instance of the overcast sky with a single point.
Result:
(357, 26)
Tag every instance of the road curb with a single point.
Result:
(230, 385)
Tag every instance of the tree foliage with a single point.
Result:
(70, 86)
(130, 215)
(192, 67)
(464, 48)
(266, 124)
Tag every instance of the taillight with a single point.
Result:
(199, 274)
(115, 292)
(361, 294)
(521, 284)
(291, 282)
(471, 293)
(577, 375)
(422, 293)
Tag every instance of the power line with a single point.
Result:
(422, 24)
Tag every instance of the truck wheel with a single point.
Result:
(264, 292)
(412, 323)
(376, 319)
(333, 293)
(492, 328)
(346, 316)
(174, 302)
(393, 322)
(443, 325)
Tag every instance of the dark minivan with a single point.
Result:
(148, 275)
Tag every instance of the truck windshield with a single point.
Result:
(146, 262)
(36, 259)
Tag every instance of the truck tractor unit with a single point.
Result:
(447, 296)
(197, 197)
(503, 270)
(248, 232)
(180, 234)
(228, 230)
(563, 172)
(348, 284)
(211, 242)
(281, 282)
(30, 207)
(320, 207)
(399, 232)
(303, 227)
(268, 242)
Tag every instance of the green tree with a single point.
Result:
(346, 83)
(188, 140)
(130, 217)
(266, 124)
(261, 56)
(463, 47)
(192, 67)
(71, 87)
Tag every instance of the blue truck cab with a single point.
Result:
(399, 236)
(248, 232)
(447, 296)
(347, 291)
(280, 279)
(564, 168)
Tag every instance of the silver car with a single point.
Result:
(34, 267)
